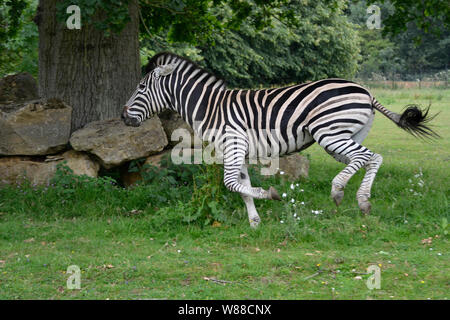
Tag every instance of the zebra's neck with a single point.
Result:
(195, 95)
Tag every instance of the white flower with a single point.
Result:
(439, 254)
(302, 202)
(292, 186)
(301, 190)
(284, 195)
(295, 215)
(281, 172)
(179, 251)
(292, 200)
(281, 221)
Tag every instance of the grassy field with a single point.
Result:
(138, 244)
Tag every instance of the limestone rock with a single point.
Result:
(36, 127)
(39, 170)
(114, 143)
(172, 121)
(294, 166)
(81, 163)
(13, 170)
(18, 87)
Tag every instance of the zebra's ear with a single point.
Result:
(165, 69)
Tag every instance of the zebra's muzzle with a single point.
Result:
(133, 122)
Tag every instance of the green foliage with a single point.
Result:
(209, 195)
(321, 44)
(10, 16)
(429, 16)
(399, 56)
(66, 184)
(18, 38)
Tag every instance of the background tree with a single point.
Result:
(95, 69)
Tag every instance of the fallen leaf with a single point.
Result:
(427, 240)
(358, 278)
(29, 240)
(216, 224)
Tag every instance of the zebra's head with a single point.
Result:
(149, 97)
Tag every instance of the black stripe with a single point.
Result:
(329, 123)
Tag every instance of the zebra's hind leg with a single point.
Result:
(363, 193)
(355, 156)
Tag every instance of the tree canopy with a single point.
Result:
(260, 43)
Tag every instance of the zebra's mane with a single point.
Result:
(162, 57)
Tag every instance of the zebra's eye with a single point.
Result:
(141, 86)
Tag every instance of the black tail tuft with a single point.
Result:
(413, 120)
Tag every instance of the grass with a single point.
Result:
(134, 244)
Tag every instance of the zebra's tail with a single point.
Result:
(413, 119)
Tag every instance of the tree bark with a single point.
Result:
(92, 72)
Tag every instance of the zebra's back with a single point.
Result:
(293, 117)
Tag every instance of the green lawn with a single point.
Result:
(134, 244)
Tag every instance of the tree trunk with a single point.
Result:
(93, 73)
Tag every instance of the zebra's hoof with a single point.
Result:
(364, 205)
(337, 195)
(273, 194)
(254, 222)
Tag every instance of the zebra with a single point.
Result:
(335, 113)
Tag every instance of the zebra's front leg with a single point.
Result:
(235, 150)
(232, 182)
(253, 216)
(236, 179)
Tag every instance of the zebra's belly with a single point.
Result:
(276, 143)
